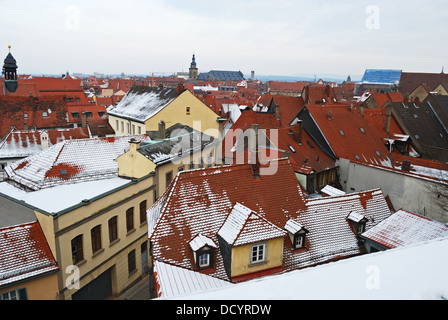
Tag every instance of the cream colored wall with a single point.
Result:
(241, 258)
(133, 164)
(82, 220)
(121, 128)
(441, 90)
(44, 288)
(201, 117)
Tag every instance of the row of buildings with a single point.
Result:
(176, 187)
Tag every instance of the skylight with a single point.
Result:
(362, 130)
(292, 149)
(342, 133)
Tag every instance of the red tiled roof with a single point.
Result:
(289, 107)
(200, 201)
(405, 228)
(285, 86)
(212, 193)
(349, 134)
(306, 157)
(25, 253)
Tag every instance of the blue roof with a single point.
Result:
(381, 76)
(222, 75)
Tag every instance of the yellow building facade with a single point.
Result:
(186, 108)
(109, 234)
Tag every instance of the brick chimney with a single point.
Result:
(299, 129)
(84, 119)
(254, 158)
(406, 166)
(162, 130)
(180, 88)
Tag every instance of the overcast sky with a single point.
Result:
(271, 37)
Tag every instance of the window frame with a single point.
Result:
(132, 263)
(113, 229)
(95, 235)
(143, 208)
(78, 254)
(255, 249)
(130, 219)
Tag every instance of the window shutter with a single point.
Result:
(22, 294)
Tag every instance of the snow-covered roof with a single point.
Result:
(244, 226)
(141, 103)
(405, 228)
(332, 191)
(293, 227)
(375, 276)
(172, 281)
(24, 253)
(231, 203)
(200, 241)
(71, 161)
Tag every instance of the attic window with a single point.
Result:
(292, 149)
(341, 132)
(417, 136)
(24, 143)
(378, 153)
(297, 234)
(416, 116)
(357, 157)
(63, 172)
(362, 130)
(358, 222)
(309, 143)
(203, 250)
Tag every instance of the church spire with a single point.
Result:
(193, 69)
(10, 72)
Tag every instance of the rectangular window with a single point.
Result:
(19, 294)
(204, 260)
(96, 238)
(258, 253)
(131, 262)
(75, 115)
(117, 125)
(139, 130)
(299, 241)
(133, 129)
(89, 114)
(113, 229)
(44, 114)
(188, 111)
(143, 208)
(77, 252)
(130, 219)
(25, 115)
(168, 178)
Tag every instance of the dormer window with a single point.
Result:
(297, 234)
(203, 251)
(358, 222)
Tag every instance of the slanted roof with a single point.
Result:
(405, 228)
(141, 103)
(383, 76)
(244, 226)
(222, 75)
(70, 161)
(201, 241)
(25, 254)
(174, 281)
(199, 201)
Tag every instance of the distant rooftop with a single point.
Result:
(381, 76)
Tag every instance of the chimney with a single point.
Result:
(180, 88)
(44, 140)
(134, 145)
(406, 165)
(84, 119)
(388, 118)
(162, 130)
(254, 159)
(298, 132)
